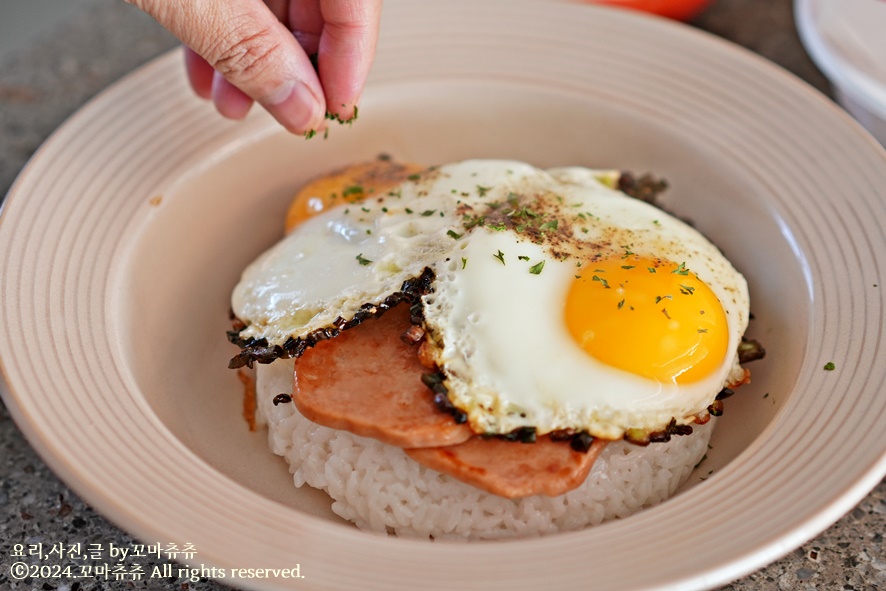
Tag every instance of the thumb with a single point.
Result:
(250, 47)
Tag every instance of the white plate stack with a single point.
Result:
(847, 40)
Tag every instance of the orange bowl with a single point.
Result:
(676, 9)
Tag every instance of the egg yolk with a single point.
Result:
(651, 317)
(352, 184)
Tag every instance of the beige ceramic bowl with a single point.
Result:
(122, 239)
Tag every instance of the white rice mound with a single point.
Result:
(379, 488)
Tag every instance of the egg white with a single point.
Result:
(500, 336)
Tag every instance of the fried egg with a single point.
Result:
(558, 302)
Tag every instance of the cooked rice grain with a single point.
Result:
(379, 488)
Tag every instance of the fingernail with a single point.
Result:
(299, 110)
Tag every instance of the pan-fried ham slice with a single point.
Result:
(368, 381)
(510, 469)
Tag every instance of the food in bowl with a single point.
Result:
(487, 349)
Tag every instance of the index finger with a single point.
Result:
(345, 52)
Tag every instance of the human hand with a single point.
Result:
(240, 51)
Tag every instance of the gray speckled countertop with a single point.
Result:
(52, 76)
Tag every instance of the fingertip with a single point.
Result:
(200, 74)
(229, 100)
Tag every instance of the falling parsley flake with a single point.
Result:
(362, 260)
(536, 269)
